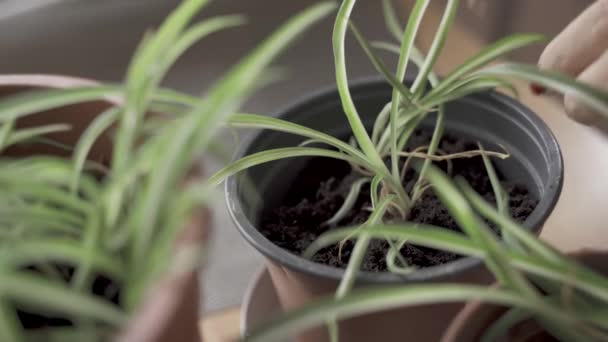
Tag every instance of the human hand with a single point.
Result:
(581, 51)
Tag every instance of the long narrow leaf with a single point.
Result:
(58, 250)
(339, 37)
(10, 327)
(144, 71)
(435, 140)
(436, 47)
(5, 132)
(528, 239)
(439, 238)
(407, 42)
(348, 203)
(391, 20)
(99, 125)
(275, 124)
(380, 123)
(25, 134)
(223, 100)
(195, 34)
(489, 54)
(37, 101)
(416, 56)
(593, 97)
(356, 259)
(497, 260)
(36, 290)
(272, 155)
(386, 298)
(379, 65)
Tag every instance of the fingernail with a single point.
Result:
(537, 89)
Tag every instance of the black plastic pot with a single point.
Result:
(489, 117)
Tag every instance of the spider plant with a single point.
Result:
(536, 281)
(523, 265)
(379, 157)
(568, 299)
(56, 212)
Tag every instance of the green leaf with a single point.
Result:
(5, 133)
(439, 238)
(25, 253)
(10, 327)
(149, 65)
(99, 125)
(349, 202)
(391, 20)
(394, 254)
(195, 34)
(83, 276)
(193, 135)
(467, 87)
(416, 56)
(380, 123)
(407, 43)
(436, 47)
(358, 129)
(421, 234)
(45, 193)
(275, 124)
(595, 98)
(403, 121)
(471, 82)
(536, 246)
(497, 259)
(487, 55)
(272, 155)
(25, 134)
(378, 64)
(37, 101)
(356, 258)
(435, 140)
(502, 198)
(362, 301)
(171, 96)
(33, 290)
(43, 219)
(51, 171)
(374, 189)
(501, 327)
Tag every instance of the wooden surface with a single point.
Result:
(577, 220)
(221, 326)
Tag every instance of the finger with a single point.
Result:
(595, 75)
(581, 43)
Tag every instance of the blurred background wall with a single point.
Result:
(492, 19)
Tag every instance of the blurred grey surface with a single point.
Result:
(95, 39)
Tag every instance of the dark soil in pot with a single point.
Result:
(320, 187)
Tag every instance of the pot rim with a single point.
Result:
(54, 81)
(44, 80)
(444, 271)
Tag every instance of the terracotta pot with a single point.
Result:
(488, 117)
(471, 323)
(170, 311)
